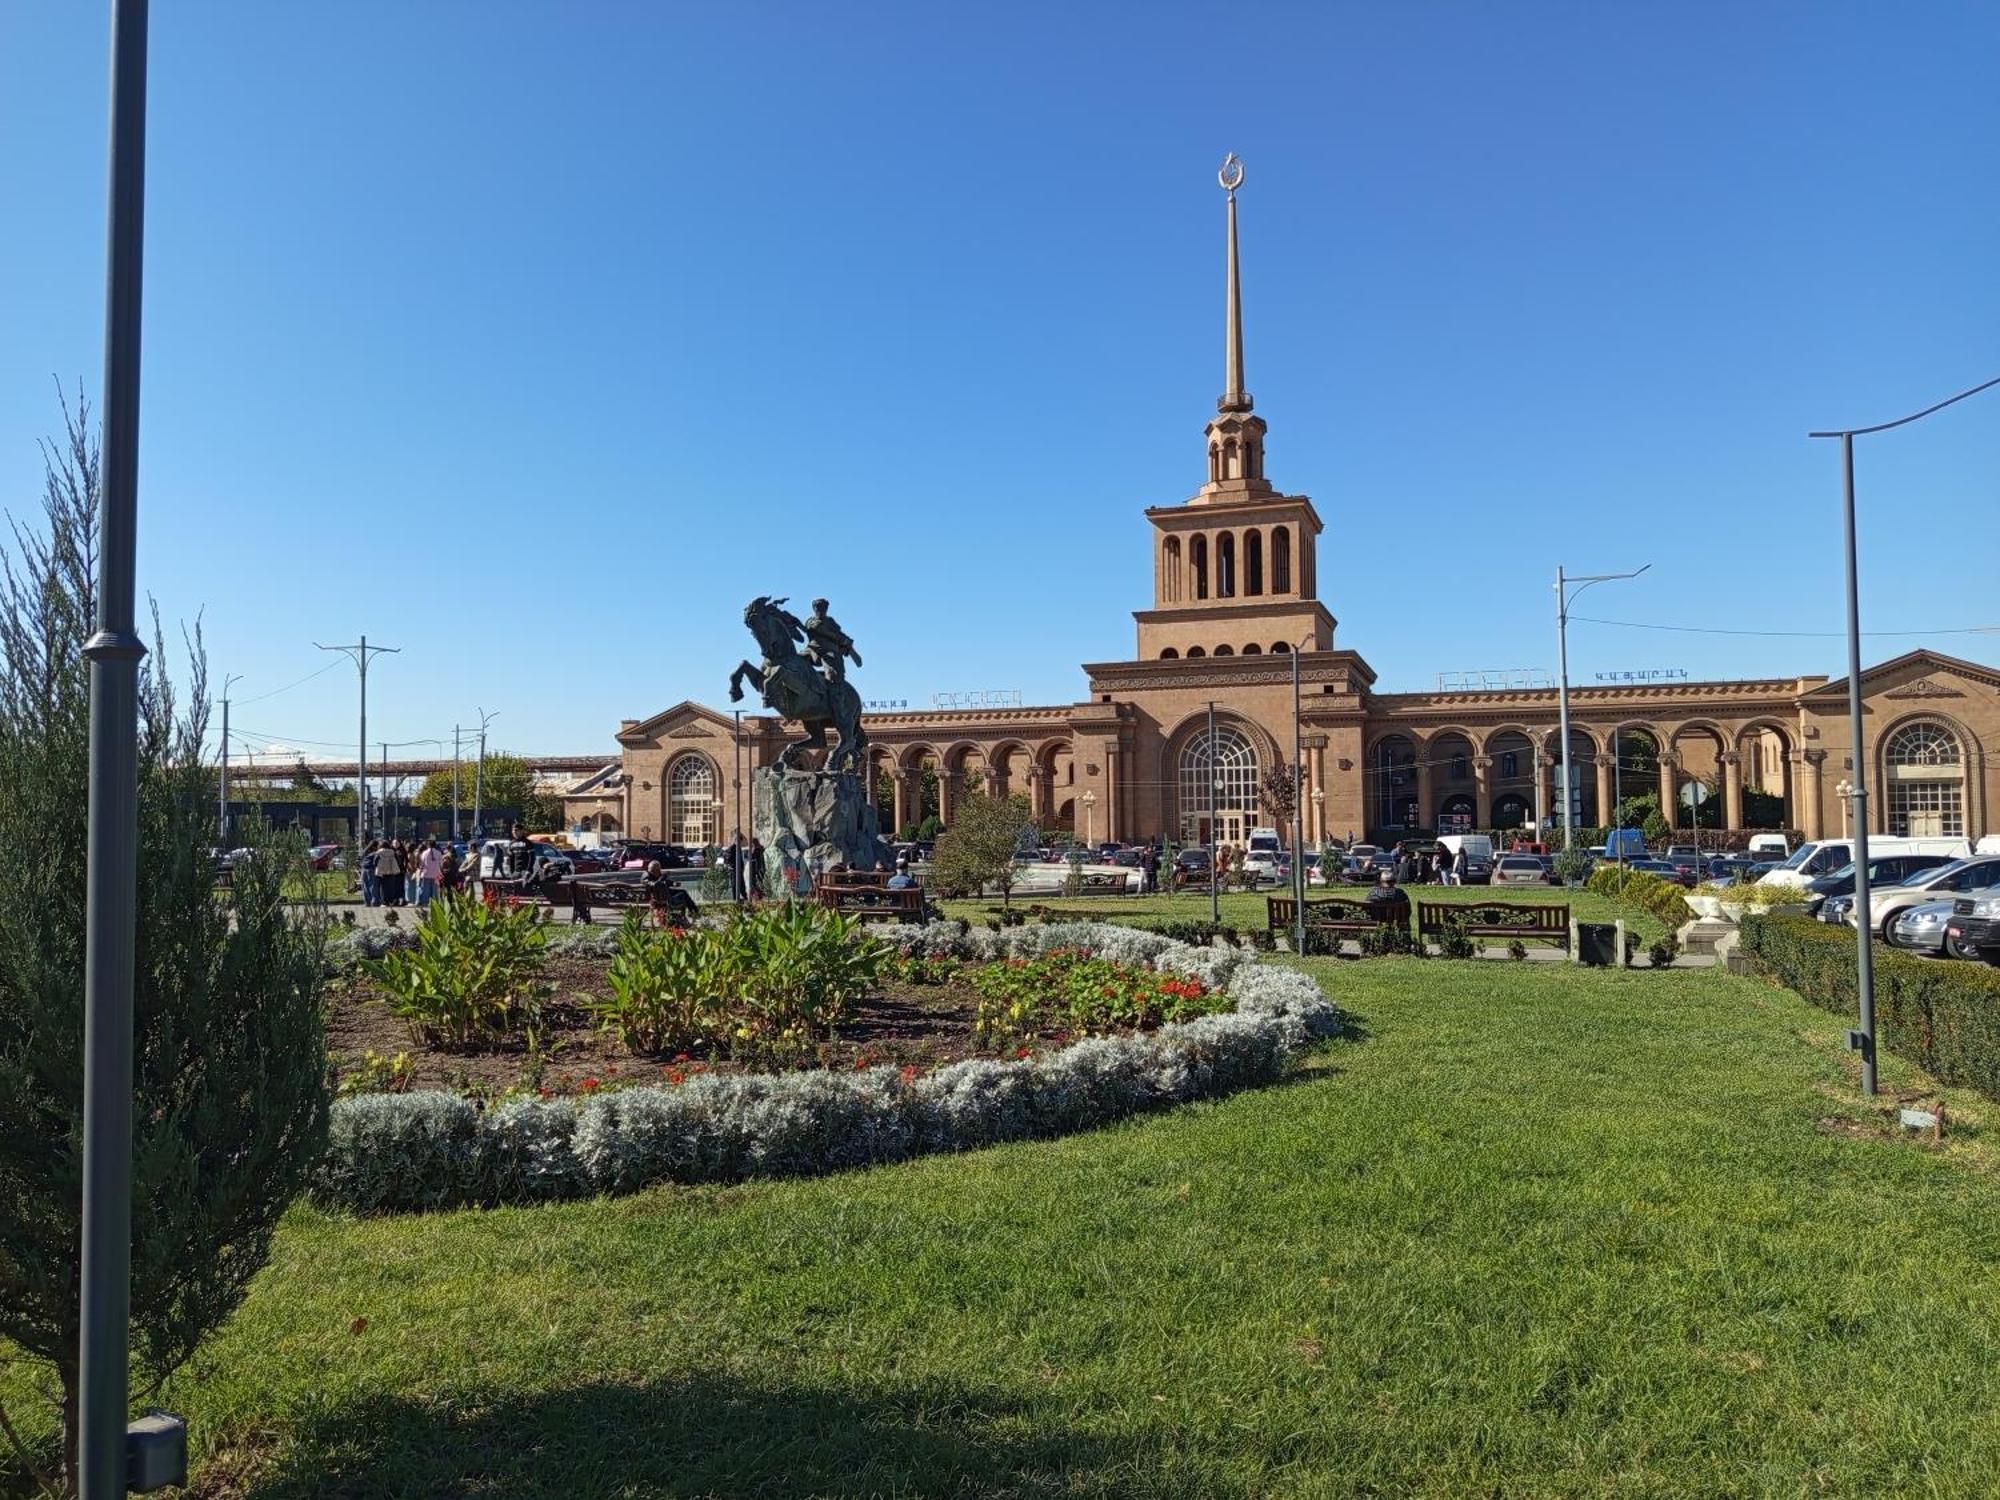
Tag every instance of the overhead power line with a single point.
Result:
(1788, 634)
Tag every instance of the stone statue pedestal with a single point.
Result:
(809, 822)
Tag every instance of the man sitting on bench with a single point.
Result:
(902, 880)
(1387, 902)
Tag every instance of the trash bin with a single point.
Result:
(1597, 943)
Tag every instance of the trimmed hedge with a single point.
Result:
(1942, 1016)
(433, 1150)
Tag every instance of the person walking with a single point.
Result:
(389, 874)
(451, 875)
(371, 883)
(756, 869)
(1459, 865)
(1149, 871)
(430, 867)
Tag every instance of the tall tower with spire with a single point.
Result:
(1235, 566)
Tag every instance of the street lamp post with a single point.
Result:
(479, 770)
(112, 821)
(222, 789)
(359, 654)
(1089, 819)
(1843, 789)
(1319, 822)
(1214, 805)
(1298, 811)
(1863, 1039)
(1564, 594)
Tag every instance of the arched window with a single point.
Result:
(1214, 462)
(1926, 774)
(1253, 649)
(1253, 561)
(1278, 646)
(1225, 565)
(1225, 650)
(1170, 581)
(1170, 654)
(691, 801)
(1232, 465)
(1923, 745)
(1218, 788)
(1198, 562)
(1281, 560)
(1195, 652)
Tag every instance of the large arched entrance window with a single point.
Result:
(1218, 787)
(1926, 767)
(691, 801)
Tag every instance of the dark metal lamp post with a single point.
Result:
(1862, 1039)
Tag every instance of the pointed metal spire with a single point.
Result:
(1234, 397)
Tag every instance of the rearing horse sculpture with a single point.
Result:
(792, 689)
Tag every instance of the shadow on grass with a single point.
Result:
(695, 1437)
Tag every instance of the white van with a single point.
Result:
(1475, 845)
(1823, 856)
(1770, 844)
(1263, 853)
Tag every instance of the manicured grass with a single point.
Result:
(1537, 1231)
(1245, 909)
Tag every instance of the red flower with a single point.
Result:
(909, 1072)
(680, 1057)
(590, 1085)
(543, 1093)
(1022, 1053)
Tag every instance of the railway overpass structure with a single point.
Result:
(541, 765)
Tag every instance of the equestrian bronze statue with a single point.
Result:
(809, 687)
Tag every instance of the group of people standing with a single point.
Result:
(1439, 866)
(399, 873)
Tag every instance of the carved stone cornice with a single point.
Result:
(1923, 687)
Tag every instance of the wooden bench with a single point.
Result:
(1329, 920)
(1525, 921)
(1104, 883)
(866, 894)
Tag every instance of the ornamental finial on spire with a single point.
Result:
(1234, 397)
(1231, 175)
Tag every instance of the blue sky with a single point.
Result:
(535, 339)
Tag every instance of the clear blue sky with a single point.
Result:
(637, 311)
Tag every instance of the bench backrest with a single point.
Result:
(1489, 917)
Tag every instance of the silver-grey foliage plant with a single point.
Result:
(229, 1068)
(435, 1150)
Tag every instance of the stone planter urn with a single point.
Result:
(1707, 907)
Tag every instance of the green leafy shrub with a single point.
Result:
(1662, 952)
(1456, 941)
(1200, 933)
(1945, 1017)
(1573, 865)
(791, 973)
(1663, 898)
(1391, 940)
(1071, 989)
(472, 974)
(664, 987)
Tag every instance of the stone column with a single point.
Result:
(1426, 813)
(1541, 793)
(1669, 763)
(1603, 766)
(1316, 758)
(1038, 795)
(1482, 791)
(1732, 789)
(1812, 773)
(947, 788)
(903, 782)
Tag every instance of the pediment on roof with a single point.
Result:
(1919, 674)
(686, 720)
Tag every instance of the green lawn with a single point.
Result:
(1246, 909)
(1536, 1231)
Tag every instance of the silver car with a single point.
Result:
(1519, 869)
(1921, 929)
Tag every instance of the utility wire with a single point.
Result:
(1787, 634)
(245, 702)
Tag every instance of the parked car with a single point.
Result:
(1891, 869)
(1926, 928)
(325, 856)
(1191, 867)
(1975, 926)
(1520, 869)
(1962, 877)
(1679, 874)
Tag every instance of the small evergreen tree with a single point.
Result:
(229, 1055)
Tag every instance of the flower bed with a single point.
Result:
(432, 1149)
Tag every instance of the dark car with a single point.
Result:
(1191, 867)
(1974, 926)
(1679, 874)
(669, 855)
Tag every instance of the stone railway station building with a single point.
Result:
(1235, 593)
